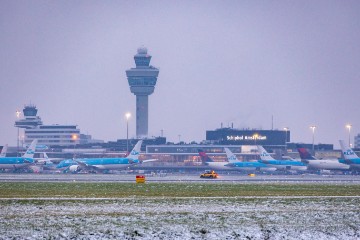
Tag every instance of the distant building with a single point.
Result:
(188, 154)
(317, 147)
(232, 136)
(87, 139)
(54, 135)
(49, 135)
(122, 144)
(30, 119)
(357, 141)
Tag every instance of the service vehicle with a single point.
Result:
(209, 174)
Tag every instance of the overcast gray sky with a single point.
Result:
(238, 62)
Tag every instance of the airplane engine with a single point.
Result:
(74, 168)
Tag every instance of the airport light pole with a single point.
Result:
(127, 115)
(313, 136)
(74, 137)
(18, 134)
(348, 126)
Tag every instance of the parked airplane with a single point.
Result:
(246, 166)
(209, 162)
(350, 157)
(280, 164)
(19, 162)
(97, 164)
(320, 164)
(45, 162)
(3, 151)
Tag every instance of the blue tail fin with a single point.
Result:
(31, 150)
(134, 154)
(3, 151)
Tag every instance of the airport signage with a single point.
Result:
(244, 137)
(248, 137)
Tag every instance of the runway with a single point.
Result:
(307, 178)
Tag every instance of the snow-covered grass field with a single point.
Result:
(179, 211)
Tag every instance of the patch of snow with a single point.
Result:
(182, 218)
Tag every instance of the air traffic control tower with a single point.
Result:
(142, 80)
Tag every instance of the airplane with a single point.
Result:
(247, 166)
(280, 164)
(350, 157)
(209, 162)
(45, 162)
(320, 164)
(99, 164)
(20, 162)
(3, 151)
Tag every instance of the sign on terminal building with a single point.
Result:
(231, 136)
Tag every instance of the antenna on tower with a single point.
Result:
(272, 122)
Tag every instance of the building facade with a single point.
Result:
(48, 135)
(188, 154)
(232, 136)
(357, 141)
(53, 135)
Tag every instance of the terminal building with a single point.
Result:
(65, 140)
(188, 154)
(53, 135)
(56, 135)
(241, 142)
(232, 136)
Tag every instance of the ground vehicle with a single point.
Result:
(209, 174)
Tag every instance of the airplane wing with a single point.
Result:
(230, 164)
(85, 165)
(149, 160)
(28, 161)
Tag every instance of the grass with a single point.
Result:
(123, 190)
(157, 211)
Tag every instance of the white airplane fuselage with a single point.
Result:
(218, 165)
(327, 165)
(288, 167)
(112, 166)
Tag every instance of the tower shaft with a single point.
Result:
(142, 110)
